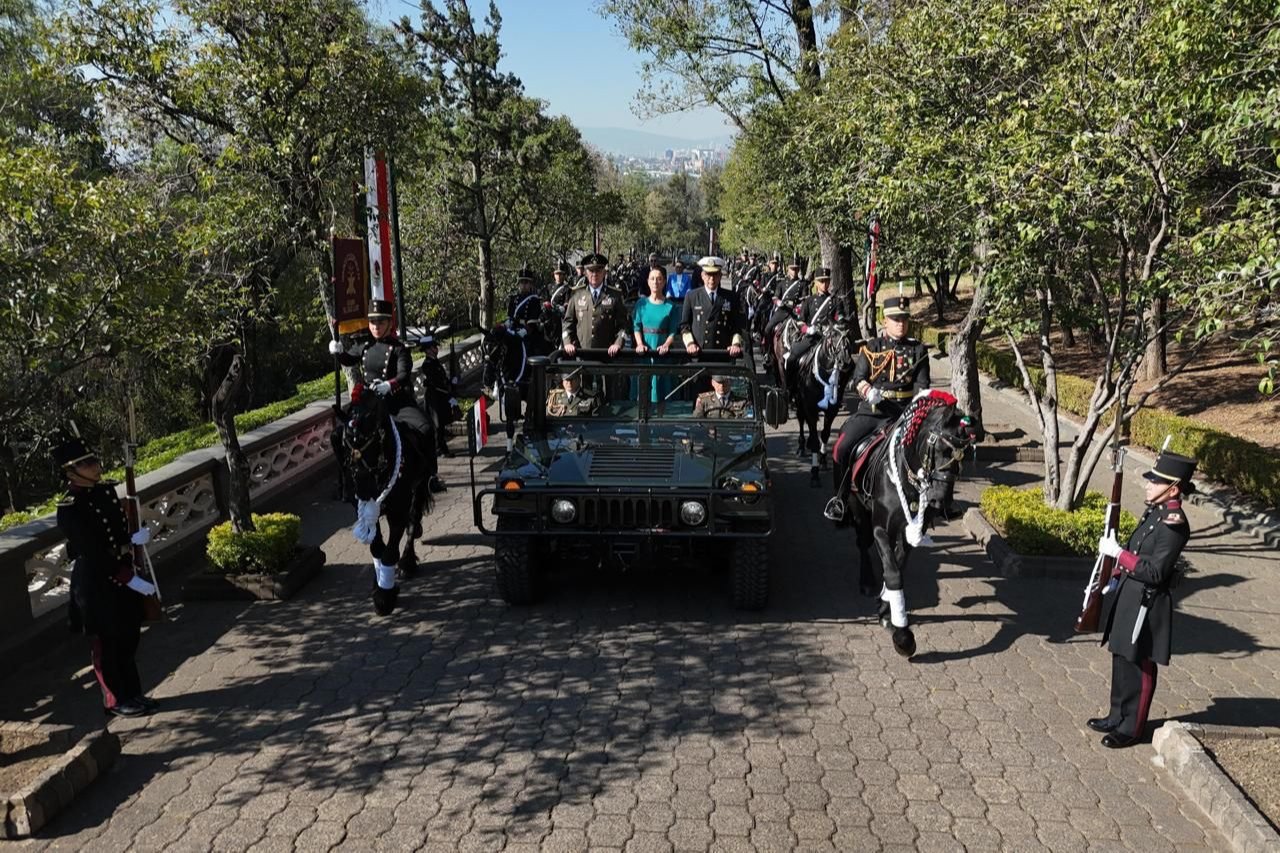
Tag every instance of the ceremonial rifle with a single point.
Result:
(1103, 567)
(153, 605)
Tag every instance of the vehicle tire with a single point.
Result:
(515, 569)
(749, 562)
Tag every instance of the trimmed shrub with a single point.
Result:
(266, 550)
(1030, 527)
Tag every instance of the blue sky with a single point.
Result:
(570, 57)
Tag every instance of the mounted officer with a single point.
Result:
(386, 367)
(1137, 607)
(525, 304)
(889, 371)
(818, 310)
(787, 295)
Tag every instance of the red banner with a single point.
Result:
(378, 216)
(350, 291)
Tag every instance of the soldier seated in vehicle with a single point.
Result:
(571, 400)
(720, 401)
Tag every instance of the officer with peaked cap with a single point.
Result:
(525, 305)
(1137, 605)
(712, 318)
(595, 317)
(386, 367)
(720, 401)
(106, 595)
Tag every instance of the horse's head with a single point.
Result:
(942, 438)
(493, 353)
(838, 341)
(364, 440)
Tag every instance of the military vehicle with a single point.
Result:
(630, 473)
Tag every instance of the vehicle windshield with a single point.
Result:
(649, 393)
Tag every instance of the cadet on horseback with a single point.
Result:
(888, 373)
(817, 310)
(387, 368)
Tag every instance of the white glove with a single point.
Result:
(141, 586)
(453, 401)
(382, 388)
(1108, 546)
(874, 395)
(522, 331)
(335, 348)
(142, 537)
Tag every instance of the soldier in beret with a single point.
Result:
(887, 374)
(720, 401)
(1137, 605)
(571, 400)
(106, 595)
(595, 317)
(387, 368)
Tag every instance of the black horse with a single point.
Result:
(386, 467)
(903, 484)
(506, 353)
(820, 379)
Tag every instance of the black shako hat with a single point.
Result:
(822, 274)
(1173, 468)
(70, 452)
(525, 274)
(595, 261)
(897, 306)
(380, 308)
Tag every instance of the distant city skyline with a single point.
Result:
(571, 58)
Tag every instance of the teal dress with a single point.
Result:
(656, 322)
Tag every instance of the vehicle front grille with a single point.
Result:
(633, 463)
(628, 513)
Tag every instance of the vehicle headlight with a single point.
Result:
(563, 510)
(693, 513)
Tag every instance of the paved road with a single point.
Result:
(640, 712)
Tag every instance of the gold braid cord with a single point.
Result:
(881, 362)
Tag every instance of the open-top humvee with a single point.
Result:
(632, 476)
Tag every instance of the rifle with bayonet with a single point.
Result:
(1103, 566)
(153, 605)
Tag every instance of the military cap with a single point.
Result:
(71, 452)
(380, 308)
(822, 273)
(595, 260)
(897, 306)
(1173, 468)
(525, 274)
(428, 339)
(711, 263)
(776, 256)
(722, 377)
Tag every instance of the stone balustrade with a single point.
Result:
(179, 502)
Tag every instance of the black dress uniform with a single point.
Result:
(712, 319)
(102, 604)
(1137, 607)
(523, 307)
(434, 392)
(898, 368)
(388, 360)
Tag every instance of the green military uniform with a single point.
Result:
(583, 403)
(711, 405)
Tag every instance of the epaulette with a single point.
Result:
(1174, 517)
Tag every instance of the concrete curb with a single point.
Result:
(1179, 751)
(1014, 565)
(27, 810)
(1232, 508)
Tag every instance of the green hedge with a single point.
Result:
(1244, 465)
(1030, 527)
(265, 550)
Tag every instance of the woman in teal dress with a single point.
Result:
(656, 323)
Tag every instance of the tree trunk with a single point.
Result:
(224, 402)
(941, 279)
(1155, 361)
(485, 247)
(963, 347)
(840, 259)
(9, 473)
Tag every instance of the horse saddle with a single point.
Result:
(862, 452)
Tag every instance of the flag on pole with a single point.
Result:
(378, 216)
(873, 248)
(479, 424)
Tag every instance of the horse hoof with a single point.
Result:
(801, 452)
(406, 569)
(384, 600)
(885, 623)
(904, 642)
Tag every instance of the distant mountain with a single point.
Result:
(639, 143)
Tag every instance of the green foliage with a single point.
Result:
(1030, 527)
(266, 549)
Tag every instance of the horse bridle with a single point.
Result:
(954, 451)
(359, 453)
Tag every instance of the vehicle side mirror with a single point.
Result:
(775, 408)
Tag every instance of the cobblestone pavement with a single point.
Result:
(638, 711)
